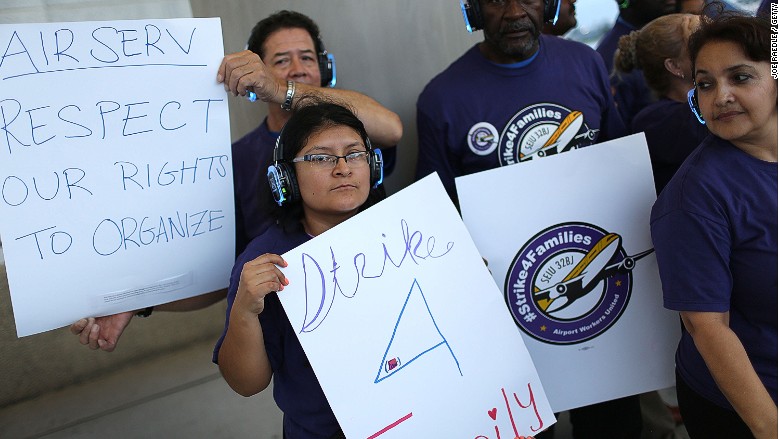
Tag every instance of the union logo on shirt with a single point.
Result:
(541, 130)
(482, 138)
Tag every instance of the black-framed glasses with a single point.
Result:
(329, 161)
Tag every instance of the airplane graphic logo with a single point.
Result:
(570, 283)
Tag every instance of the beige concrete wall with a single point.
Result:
(34, 365)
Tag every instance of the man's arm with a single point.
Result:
(730, 366)
(245, 70)
(104, 332)
(193, 303)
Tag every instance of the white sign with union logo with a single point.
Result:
(567, 240)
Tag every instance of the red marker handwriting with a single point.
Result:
(509, 403)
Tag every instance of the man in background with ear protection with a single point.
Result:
(630, 89)
(476, 114)
(520, 95)
(285, 61)
(567, 20)
(633, 15)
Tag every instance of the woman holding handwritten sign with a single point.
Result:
(324, 172)
(714, 228)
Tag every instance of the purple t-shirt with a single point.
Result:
(672, 132)
(714, 229)
(307, 414)
(609, 42)
(478, 115)
(632, 94)
(251, 156)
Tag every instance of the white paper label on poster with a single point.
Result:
(568, 242)
(115, 173)
(406, 330)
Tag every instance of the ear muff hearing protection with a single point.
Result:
(281, 178)
(327, 63)
(473, 16)
(693, 102)
(284, 183)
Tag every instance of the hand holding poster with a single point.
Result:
(405, 329)
(115, 173)
(572, 253)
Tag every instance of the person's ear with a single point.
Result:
(673, 67)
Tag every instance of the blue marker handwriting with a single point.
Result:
(18, 189)
(62, 50)
(111, 235)
(22, 127)
(412, 248)
(198, 169)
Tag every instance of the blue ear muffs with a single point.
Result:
(377, 165)
(471, 14)
(693, 102)
(284, 184)
(327, 63)
(281, 177)
(552, 8)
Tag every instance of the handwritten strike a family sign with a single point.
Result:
(405, 329)
(115, 173)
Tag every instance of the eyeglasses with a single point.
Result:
(329, 161)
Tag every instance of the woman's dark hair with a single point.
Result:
(282, 20)
(310, 116)
(752, 34)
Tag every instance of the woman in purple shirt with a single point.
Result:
(714, 228)
(324, 172)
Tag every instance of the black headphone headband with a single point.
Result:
(284, 182)
(472, 13)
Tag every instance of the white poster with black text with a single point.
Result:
(115, 169)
